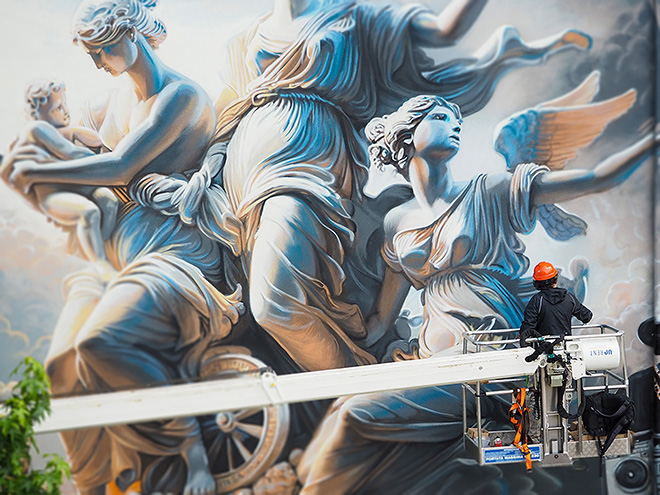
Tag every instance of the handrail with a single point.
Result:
(469, 336)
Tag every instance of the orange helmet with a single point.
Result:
(544, 271)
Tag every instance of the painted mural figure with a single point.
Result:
(440, 240)
(459, 243)
(152, 321)
(90, 211)
(277, 188)
(302, 82)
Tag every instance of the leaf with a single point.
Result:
(29, 404)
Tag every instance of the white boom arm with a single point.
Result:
(267, 389)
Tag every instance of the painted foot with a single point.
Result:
(200, 481)
(577, 38)
(570, 37)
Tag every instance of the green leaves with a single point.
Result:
(27, 406)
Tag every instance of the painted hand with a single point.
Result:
(20, 153)
(19, 176)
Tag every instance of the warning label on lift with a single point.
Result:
(510, 454)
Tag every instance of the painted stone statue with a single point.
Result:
(89, 212)
(272, 188)
(152, 321)
(302, 82)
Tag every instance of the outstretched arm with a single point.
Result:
(445, 28)
(49, 138)
(580, 311)
(555, 187)
(87, 137)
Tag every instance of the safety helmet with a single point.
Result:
(544, 271)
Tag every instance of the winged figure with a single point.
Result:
(552, 133)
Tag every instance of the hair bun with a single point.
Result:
(375, 129)
(102, 22)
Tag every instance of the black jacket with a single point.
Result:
(549, 312)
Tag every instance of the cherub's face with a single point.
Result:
(438, 135)
(55, 111)
(114, 58)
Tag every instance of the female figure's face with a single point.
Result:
(437, 136)
(116, 57)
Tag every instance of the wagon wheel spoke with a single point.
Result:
(243, 444)
(246, 413)
(230, 454)
(217, 441)
(255, 431)
(242, 449)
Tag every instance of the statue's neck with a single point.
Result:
(431, 182)
(147, 72)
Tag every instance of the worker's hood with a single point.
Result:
(555, 295)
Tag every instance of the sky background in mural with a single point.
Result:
(36, 41)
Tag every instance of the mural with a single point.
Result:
(362, 182)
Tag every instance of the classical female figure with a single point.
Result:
(458, 242)
(150, 323)
(300, 84)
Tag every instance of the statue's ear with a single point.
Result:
(131, 33)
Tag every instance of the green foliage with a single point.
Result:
(27, 406)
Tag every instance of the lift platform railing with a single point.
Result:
(560, 441)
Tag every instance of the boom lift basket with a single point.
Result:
(584, 364)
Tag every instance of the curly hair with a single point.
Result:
(392, 135)
(98, 23)
(38, 93)
(545, 284)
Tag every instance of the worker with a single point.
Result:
(549, 311)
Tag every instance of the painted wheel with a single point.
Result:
(241, 445)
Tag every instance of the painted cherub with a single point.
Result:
(92, 211)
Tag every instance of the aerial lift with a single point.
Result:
(587, 363)
(238, 385)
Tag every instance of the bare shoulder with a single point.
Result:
(36, 130)
(397, 218)
(182, 88)
(498, 181)
(183, 96)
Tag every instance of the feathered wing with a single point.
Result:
(552, 133)
(559, 223)
(581, 95)
(552, 136)
(562, 132)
